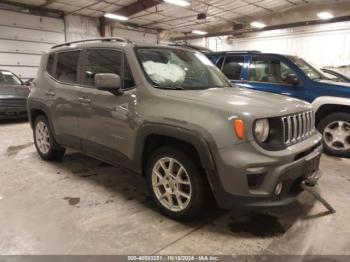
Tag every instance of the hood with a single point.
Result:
(19, 91)
(339, 84)
(245, 102)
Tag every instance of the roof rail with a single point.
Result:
(245, 51)
(103, 39)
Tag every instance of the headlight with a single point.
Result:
(262, 130)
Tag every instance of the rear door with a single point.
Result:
(269, 74)
(61, 93)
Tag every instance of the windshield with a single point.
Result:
(8, 78)
(180, 69)
(311, 71)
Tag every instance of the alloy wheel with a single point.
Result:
(42, 137)
(171, 184)
(337, 135)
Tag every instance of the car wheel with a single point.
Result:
(44, 141)
(176, 184)
(335, 129)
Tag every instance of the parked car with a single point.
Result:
(335, 75)
(29, 82)
(13, 96)
(168, 113)
(294, 77)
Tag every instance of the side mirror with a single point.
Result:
(292, 79)
(108, 82)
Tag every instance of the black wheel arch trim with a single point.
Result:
(201, 144)
(37, 105)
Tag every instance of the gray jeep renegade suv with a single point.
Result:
(169, 114)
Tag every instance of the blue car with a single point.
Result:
(293, 76)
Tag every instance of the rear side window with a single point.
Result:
(105, 61)
(50, 64)
(233, 67)
(269, 70)
(67, 67)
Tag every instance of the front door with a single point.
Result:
(270, 74)
(106, 121)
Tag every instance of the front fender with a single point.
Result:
(202, 144)
(329, 100)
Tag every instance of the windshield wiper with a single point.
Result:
(170, 87)
(321, 78)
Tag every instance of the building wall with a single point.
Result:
(323, 45)
(135, 35)
(23, 38)
(81, 27)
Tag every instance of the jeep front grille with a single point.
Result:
(298, 127)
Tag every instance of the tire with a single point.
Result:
(335, 129)
(190, 183)
(44, 141)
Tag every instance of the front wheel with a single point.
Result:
(176, 183)
(335, 129)
(45, 144)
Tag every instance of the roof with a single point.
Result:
(112, 41)
(235, 52)
(251, 52)
(106, 39)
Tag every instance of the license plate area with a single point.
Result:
(311, 167)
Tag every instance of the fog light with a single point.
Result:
(278, 188)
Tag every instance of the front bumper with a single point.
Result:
(248, 178)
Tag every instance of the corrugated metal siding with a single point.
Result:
(23, 38)
(323, 45)
(81, 27)
(135, 36)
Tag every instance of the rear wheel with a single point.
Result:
(335, 129)
(44, 141)
(176, 183)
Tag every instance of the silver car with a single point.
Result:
(13, 96)
(169, 114)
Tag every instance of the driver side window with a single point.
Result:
(269, 70)
(106, 61)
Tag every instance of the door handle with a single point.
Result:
(84, 100)
(50, 93)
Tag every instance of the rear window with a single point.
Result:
(67, 67)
